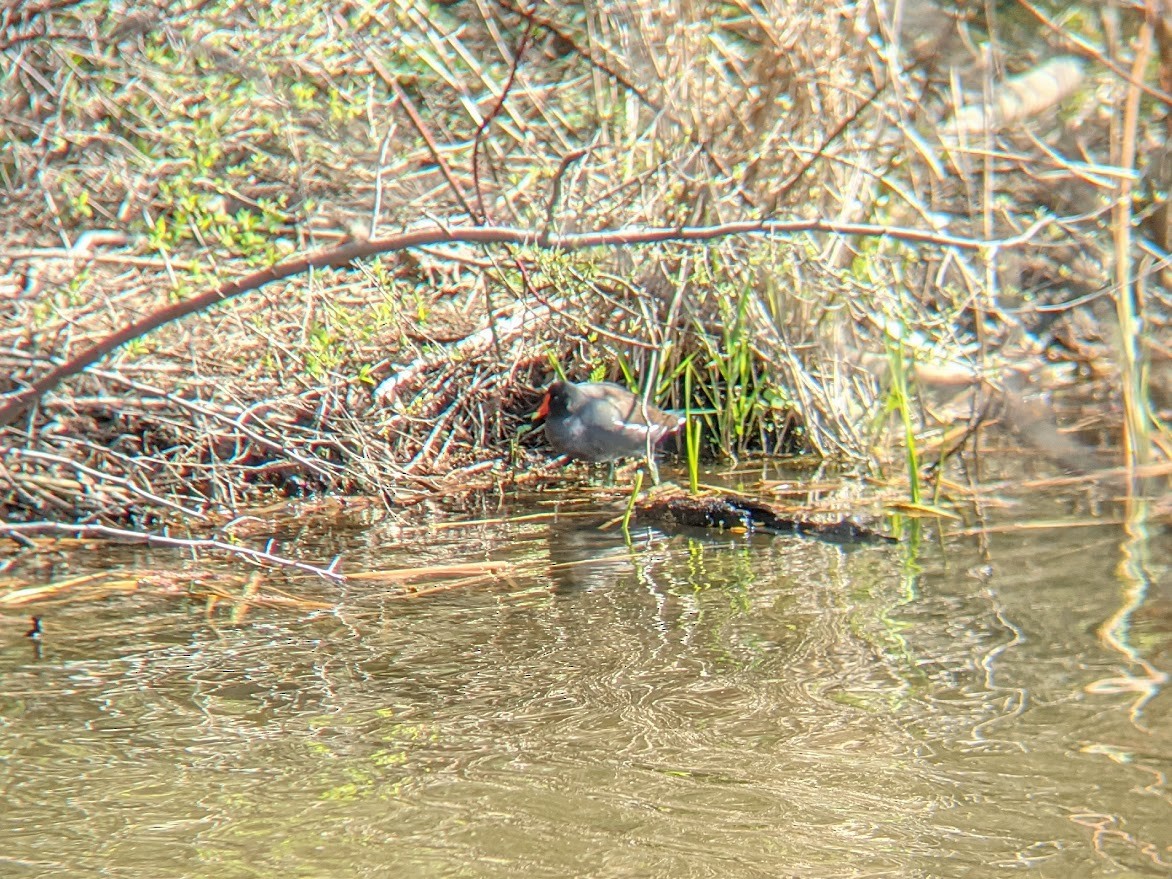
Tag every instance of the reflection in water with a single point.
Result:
(582, 556)
(35, 634)
(683, 705)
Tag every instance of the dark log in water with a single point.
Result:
(729, 511)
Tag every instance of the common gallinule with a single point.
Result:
(601, 421)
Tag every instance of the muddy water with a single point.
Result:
(688, 705)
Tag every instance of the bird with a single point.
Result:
(36, 632)
(601, 421)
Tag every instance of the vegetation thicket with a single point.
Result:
(969, 214)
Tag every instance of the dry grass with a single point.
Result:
(211, 139)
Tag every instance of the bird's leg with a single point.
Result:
(652, 469)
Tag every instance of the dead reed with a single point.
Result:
(156, 155)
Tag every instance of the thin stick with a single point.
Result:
(17, 530)
(18, 402)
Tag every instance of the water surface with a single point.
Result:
(688, 705)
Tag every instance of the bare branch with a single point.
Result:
(23, 531)
(19, 401)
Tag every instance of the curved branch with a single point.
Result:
(264, 556)
(17, 402)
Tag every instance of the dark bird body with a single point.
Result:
(601, 421)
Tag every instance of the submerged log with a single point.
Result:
(726, 511)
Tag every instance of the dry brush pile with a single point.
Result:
(153, 153)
